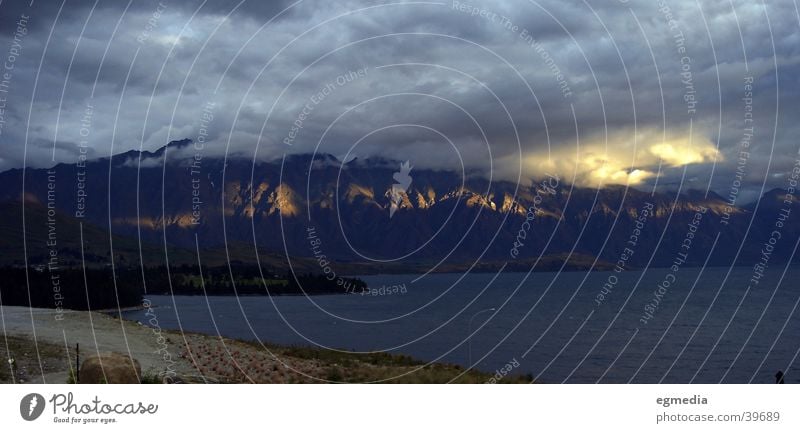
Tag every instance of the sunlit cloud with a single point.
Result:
(677, 153)
(624, 159)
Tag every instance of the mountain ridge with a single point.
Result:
(441, 218)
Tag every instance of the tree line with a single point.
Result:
(102, 288)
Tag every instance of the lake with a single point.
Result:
(573, 327)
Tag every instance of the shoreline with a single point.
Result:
(189, 357)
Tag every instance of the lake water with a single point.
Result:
(708, 327)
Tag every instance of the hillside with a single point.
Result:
(315, 206)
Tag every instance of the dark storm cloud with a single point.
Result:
(496, 78)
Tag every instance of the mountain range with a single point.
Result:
(315, 209)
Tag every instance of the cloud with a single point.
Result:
(677, 154)
(623, 158)
(485, 92)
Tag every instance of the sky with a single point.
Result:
(651, 94)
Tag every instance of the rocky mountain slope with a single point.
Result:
(314, 206)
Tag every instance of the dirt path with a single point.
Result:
(95, 332)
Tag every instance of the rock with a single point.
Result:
(118, 368)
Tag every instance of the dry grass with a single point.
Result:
(27, 366)
(231, 361)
